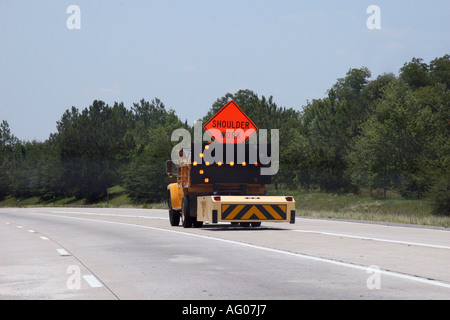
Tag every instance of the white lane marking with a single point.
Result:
(93, 282)
(373, 239)
(20, 227)
(43, 238)
(63, 252)
(108, 215)
(324, 260)
(31, 231)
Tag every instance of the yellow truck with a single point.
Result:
(232, 191)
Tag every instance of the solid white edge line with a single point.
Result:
(373, 239)
(329, 261)
(92, 281)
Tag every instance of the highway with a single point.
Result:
(89, 254)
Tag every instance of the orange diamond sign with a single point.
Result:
(231, 123)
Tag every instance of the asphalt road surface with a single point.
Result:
(85, 253)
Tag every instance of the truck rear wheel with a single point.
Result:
(185, 213)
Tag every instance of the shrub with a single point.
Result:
(439, 196)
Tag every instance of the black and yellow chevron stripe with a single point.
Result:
(253, 212)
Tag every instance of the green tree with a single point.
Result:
(350, 87)
(329, 127)
(415, 73)
(50, 170)
(145, 178)
(8, 143)
(439, 195)
(94, 146)
(440, 71)
(397, 146)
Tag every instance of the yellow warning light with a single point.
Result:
(201, 155)
(201, 172)
(244, 164)
(206, 147)
(231, 163)
(194, 163)
(207, 163)
(219, 164)
(206, 180)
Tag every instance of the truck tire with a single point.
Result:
(174, 216)
(185, 213)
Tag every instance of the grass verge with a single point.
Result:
(364, 207)
(117, 198)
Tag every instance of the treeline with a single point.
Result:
(388, 133)
(92, 150)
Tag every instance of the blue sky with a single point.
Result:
(189, 53)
